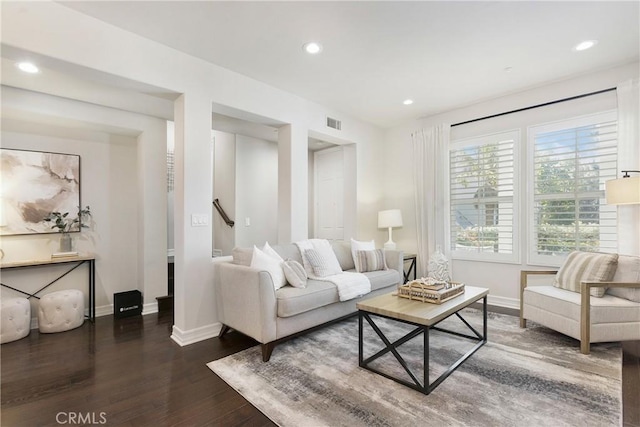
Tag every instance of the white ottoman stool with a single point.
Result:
(15, 319)
(61, 311)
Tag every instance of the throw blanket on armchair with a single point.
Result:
(349, 284)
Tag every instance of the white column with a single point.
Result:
(152, 213)
(293, 190)
(194, 303)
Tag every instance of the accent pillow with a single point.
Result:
(295, 273)
(628, 271)
(271, 252)
(322, 265)
(371, 260)
(262, 261)
(360, 246)
(586, 267)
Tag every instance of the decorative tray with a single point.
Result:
(430, 290)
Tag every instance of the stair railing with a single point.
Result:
(222, 213)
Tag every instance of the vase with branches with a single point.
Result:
(66, 224)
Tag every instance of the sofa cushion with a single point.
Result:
(382, 279)
(292, 301)
(289, 251)
(586, 266)
(628, 271)
(608, 309)
(342, 250)
(372, 260)
(242, 256)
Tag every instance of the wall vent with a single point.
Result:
(334, 123)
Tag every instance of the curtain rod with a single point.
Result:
(535, 106)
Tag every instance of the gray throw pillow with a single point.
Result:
(295, 273)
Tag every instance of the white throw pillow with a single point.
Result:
(262, 261)
(360, 246)
(323, 266)
(295, 273)
(267, 249)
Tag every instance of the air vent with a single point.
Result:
(334, 123)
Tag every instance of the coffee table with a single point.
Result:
(425, 317)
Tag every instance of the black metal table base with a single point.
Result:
(77, 263)
(422, 385)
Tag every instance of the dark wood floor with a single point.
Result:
(128, 372)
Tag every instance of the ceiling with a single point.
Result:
(441, 54)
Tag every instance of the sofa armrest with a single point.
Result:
(524, 277)
(248, 301)
(585, 308)
(395, 261)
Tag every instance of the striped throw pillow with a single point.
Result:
(586, 267)
(370, 260)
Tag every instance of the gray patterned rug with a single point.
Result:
(521, 377)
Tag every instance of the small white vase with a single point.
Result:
(65, 242)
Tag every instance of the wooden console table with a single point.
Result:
(77, 261)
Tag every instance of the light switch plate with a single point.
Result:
(199, 220)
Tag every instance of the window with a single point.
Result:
(482, 194)
(571, 160)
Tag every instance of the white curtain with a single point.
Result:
(628, 159)
(430, 168)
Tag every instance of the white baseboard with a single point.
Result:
(503, 302)
(191, 336)
(150, 308)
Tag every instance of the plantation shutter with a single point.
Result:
(571, 162)
(482, 197)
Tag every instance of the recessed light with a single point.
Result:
(587, 44)
(407, 101)
(28, 67)
(312, 47)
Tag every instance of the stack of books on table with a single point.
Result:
(430, 290)
(70, 254)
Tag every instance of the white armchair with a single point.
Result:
(589, 319)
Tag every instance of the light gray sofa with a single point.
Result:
(247, 301)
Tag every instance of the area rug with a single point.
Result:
(521, 377)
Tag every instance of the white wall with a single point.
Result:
(108, 185)
(51, 30)
(134, 213)
(256, 191)
(502, 279)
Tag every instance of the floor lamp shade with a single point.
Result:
(389, 219)
(623, 191)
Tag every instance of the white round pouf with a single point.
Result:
(15, 319)
(61, 311)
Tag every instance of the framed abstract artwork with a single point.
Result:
(33, 184)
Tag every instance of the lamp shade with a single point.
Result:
(623, 191)
(390, 218)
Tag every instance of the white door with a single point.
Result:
(329, 194)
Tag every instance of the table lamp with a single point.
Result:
(389, 219)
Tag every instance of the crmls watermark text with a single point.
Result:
(81, 418)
